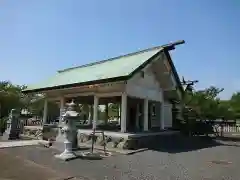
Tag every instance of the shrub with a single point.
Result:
(197, 128)
(3, 125)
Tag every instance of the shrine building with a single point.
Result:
(132, 93)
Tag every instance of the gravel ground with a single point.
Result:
(174, 159)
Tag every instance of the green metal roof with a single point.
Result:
(107, 69)
(118, 68)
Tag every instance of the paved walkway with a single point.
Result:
(14, 167)
(7, 144)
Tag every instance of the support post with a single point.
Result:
(62, 106)
(45, 111)
(119, 114)
(137, 117)
(90, 114)
(95, 112)
(106, 113)
(162, 127)
(145, 114)
(124, 113)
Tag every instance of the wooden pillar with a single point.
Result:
(145, 114)
(124, 113)
(45, 112)
(95, 112)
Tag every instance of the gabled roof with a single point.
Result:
(114, 69)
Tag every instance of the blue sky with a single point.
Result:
(37, 38)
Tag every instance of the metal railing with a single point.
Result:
(31, 122)
(228, 128)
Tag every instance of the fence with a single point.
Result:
(32, 122)
(227, 128)
(37, 122)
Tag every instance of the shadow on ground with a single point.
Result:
(179, 143)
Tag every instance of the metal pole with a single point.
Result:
(104, 145)
(93, 135)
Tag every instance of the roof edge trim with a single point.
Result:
(120, 78)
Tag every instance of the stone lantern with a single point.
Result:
(69, 131)
(13, 125)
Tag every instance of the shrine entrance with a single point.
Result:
(135, 116)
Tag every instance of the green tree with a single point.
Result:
(203, 105)
(235, 104)
(206, 103)
(10, 97)
(113, 109)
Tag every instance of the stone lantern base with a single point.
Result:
(66, 156)
(68, 153)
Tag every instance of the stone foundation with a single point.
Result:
(111, 141)
(118, 142)
(34, 133)
(50, 132)
(38, 132)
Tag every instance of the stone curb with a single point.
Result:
(12, 144)
(125, 152)
(97, 147)
(30, 137)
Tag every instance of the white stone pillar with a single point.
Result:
(162, 127)
(45, 111)
(95, 112)
(62, 106)
(124, 113)
(145, 114)
(90, 114)
(119, 115)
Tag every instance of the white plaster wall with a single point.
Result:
(167, 114)
(173, 80)
(168, 68)
(147, 87)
